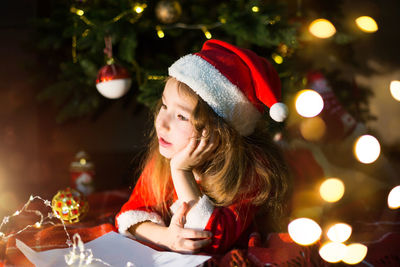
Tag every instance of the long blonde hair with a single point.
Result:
(250, 167)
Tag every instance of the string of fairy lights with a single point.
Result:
(78, 255)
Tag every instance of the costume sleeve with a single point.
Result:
(226, 223)
(140, 207)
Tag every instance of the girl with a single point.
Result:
(210, 168)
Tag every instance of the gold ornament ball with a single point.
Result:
(69, 205)
(168, 11)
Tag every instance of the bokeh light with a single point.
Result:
(309, 103)
(313, 129)
(355, 253)
(339, 232)
(304, 231)
(395, 89)
(367, 24)
(333, 251)
(322, 28)
(367, 149)
(332, 190)
(394, 198)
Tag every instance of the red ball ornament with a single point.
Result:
(113, 81)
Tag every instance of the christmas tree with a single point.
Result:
(80, 37)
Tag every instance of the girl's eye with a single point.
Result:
(182, 118)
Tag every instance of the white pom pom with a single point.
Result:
(278, 112)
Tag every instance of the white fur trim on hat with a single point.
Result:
(131, 217)
(278, 112)
(198, 215)
(225, 98)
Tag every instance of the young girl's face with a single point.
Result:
(173, 122)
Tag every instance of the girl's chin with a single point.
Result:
(164, 153)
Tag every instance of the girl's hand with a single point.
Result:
(194, 154)
(185, 240)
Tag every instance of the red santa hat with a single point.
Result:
(235, 82)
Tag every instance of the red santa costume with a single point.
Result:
(236, 84)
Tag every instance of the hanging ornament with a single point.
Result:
(113, 81)
(168, 11)
(69, 205)
(339, 123)
(82, 173)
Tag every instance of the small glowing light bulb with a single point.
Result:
(339, 232)
(332, 190)
(394, 198)
(355, 253)
(82, 161)
(206, 33)
(138, 9)
(309, 103)
(367, 24)
(160, 32)
(38, 225)
(333, 251)
(367, 149)
(16, 213)
(322, 28)
(255, 9)
(277, 58)
(304, 231)
(395, 90)
(80, 12)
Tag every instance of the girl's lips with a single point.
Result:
(163, 143)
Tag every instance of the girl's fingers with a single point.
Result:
(192, 145)
(190, 233)
(212, 145)
(193, 245)
(202, 145)
(179, 216)
(207, 144)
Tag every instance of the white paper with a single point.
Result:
(115, 250)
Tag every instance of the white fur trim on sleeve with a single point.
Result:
(225, 98)
(132, 217)
(199, 215)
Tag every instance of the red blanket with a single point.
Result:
(278, 250)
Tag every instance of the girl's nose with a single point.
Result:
(163, 121)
